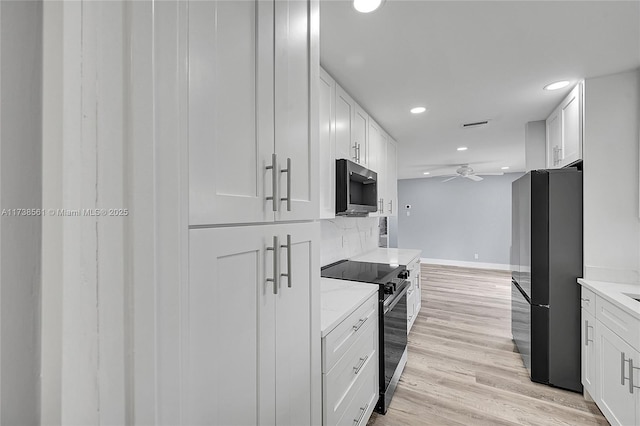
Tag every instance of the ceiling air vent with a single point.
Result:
(476, 124)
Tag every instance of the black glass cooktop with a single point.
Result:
(365, 272)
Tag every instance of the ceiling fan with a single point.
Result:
(467, 172)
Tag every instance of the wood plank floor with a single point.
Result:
(463, 368)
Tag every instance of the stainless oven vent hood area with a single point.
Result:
(356, 189)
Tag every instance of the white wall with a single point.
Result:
(20, 188)
(611, 224)
(535, 145)
(344, 237)
(452, 221)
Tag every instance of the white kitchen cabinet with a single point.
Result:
(360, 135)
(588, 354)
(610, 349)
(391, 172)
(252, 148)
(376, 160)
(617, 400)
(350, 367)
(345, 108)
(250, 343)
(327, 144)
(414, 299)
(564, 130)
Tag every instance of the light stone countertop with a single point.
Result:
(617, 294)
(339, 298)
(391, 256)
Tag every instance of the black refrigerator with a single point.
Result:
(546, 259)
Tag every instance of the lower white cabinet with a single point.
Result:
(350, 367)
(414, 294)
(617, 396)
(588, 329)
(611, 355)
(250, 345)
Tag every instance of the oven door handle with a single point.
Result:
(396, 300)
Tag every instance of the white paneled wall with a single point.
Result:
(344, 237)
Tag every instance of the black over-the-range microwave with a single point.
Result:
(356, 189)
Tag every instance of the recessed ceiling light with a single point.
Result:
(366, 6)
(426, 173)
(505, 168)
(462, 148)
(557, 85)
(418, 110)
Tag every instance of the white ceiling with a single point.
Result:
(467, 62)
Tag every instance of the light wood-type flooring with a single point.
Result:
(463, 368)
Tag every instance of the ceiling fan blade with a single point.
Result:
(490, 174)
(474, 178)
(451, 178)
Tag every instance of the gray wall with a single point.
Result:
(455, 220)
(20, 188)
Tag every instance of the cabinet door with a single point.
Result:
(345, 114)
(297, 360)
(228, 327)
(374, 157)
(296, 138)
(554, 139)
(588, 329)
(392, 178)
(613, 396)
(571, 119)
(360, 135)
(230, 111)
(327, 91)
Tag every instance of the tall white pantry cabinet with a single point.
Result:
(251, 324)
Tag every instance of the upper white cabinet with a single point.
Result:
(347, 131)
(391, 206)
(360, 135)
(564, 130)
(377, 153)
(253, 146)
(250, 342)
(345, 113)
(327, 143)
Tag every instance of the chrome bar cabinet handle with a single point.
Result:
(586, 333)
(391, 206)
(360, 364)
(360, 323)
(288, 172)
(363, 410)
(274, 182)
(288, 247)
(276, 263)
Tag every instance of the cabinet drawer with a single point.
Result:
(618, 321)
(340, 339)
(588, 300)
(342, 384)
(414, 266)
(365, 397)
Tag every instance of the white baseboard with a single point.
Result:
(477, 265)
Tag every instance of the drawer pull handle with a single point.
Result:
(631, 368)
(586, 333)
(363, 411)
(585, 299)
(359, 324)
(359, 366)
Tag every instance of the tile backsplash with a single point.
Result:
(344, 237)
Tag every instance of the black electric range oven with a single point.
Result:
(392, 317)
